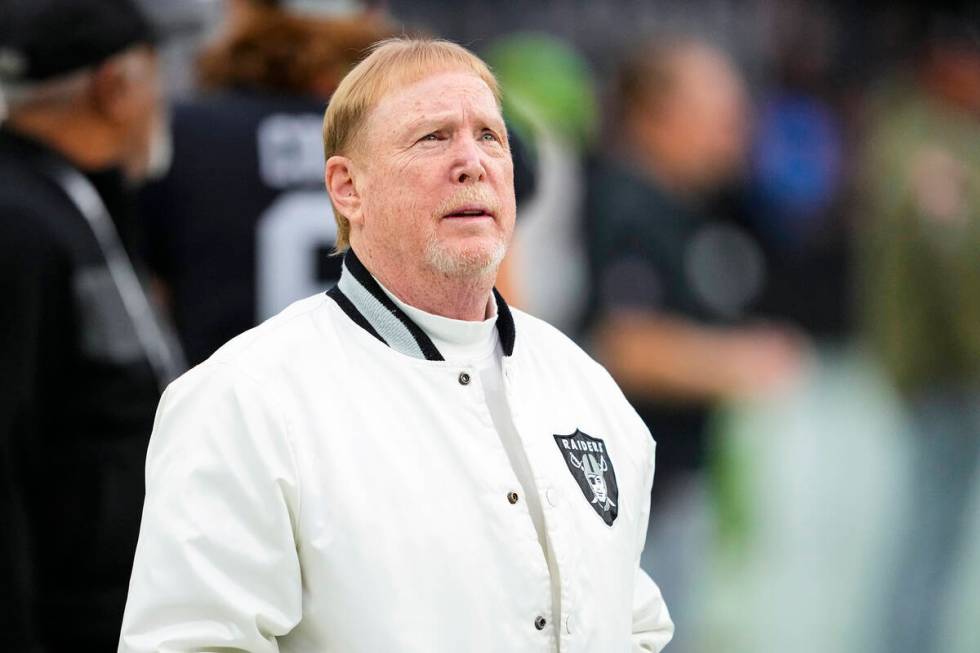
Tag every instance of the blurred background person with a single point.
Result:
(674, 283)
(920, 265)
(83, 353)
(793, 198)
(241, 226)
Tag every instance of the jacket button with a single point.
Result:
(540, 623)
(512, 497)
(464, 378)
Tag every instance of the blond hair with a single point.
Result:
(391, 64)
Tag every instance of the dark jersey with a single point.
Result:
(242, 225)
(77, 399)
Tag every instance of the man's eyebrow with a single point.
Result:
(426, 120)
(435, 119)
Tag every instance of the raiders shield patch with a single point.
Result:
(590, 465)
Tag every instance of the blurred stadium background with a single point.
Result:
(799, 525)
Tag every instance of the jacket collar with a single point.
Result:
(362, 299)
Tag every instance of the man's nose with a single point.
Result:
(468, 161)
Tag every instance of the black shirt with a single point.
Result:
(77, 400)
(650, 251)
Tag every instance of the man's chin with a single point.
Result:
(462, 260)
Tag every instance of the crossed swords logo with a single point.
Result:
(594, 474)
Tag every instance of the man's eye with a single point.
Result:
(489, 136)
(430, 137)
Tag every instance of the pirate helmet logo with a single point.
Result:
(588, 461)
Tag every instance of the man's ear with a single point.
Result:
(339, 178)
(108, 91)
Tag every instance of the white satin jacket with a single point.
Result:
(327, 483)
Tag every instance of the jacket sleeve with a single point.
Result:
(216, 566)
(652, 625)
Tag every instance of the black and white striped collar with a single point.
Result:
(362, 299)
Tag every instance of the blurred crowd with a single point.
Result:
(762, 217)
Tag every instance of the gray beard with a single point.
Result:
(466, 263)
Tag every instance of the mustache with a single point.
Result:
(468, 196)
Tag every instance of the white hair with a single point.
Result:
(63, 89)
(59, 90)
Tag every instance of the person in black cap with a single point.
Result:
(83, 353)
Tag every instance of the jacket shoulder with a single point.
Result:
(535, 337)
(275, 341)
(27, 192)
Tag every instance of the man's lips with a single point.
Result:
(469, 212)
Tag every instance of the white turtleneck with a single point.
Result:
(478, 344)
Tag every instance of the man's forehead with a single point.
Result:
(438, 91)
(411, 100)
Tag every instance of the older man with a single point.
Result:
(402, 464)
